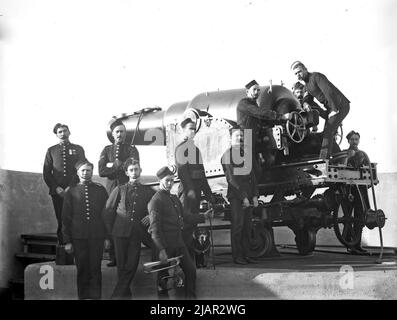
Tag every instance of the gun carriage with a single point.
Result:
(297, 189)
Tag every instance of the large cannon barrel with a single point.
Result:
(223, 104)
(147, 126)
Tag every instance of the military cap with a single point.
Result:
(297, 64)
(59, 125)
(165, 171)
(351, 133)
(82, 163)
(186, 121)
(116, 124)
(250, 84)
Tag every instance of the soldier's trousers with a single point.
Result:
(240, 226)
(88, 256)
(193, 206)
(128, 252)
(57, 201)
(330, 128)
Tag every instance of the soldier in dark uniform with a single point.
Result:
(191, 172)
(59, 171)
(167, 218)
(249, 117)
(84, 230)
(357, 158)
(242, 192)
(306, 100)
(111, 165)
(337, 105)
(127, 218)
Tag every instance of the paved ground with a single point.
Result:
(322, 259)
(329, 273)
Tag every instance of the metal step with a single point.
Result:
(36, 256)
(40, 243)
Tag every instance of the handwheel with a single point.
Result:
(295, 127)
(339, 135)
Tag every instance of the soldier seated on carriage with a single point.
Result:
(307, 102)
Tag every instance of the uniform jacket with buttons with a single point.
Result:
(167, 219)
(125, 208)
(239, 176)
(115, 174)
(82, 212)
(191, 170)
(324, 91)
(59, 162)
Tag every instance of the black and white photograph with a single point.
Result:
(218, 151)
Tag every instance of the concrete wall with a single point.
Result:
(26, 207)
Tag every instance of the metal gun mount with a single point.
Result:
(306, 193)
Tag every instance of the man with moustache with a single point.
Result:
(333, 100)
(242, 192)
(167, 219)
(357, 158)
(126, 218)
(111, 163)
(84, 230)
(249, 117)
(191, 172)
(307, 102)
(59, 170)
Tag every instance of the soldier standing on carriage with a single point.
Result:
(249, 117)
(337, 105)
(111, 163)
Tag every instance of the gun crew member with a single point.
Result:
(191, 172)
(250, 115)
(357, 158)
(242, 192)
(126, 217)
(306, 100)
(84, 230)
(167, 219)
(59, 171)
(336, 104)
(111, 163)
